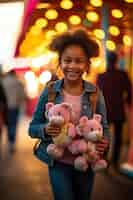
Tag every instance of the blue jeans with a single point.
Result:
(12, 115)
(70, 184)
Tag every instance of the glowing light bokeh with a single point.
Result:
(96, 3)
(45, 77)
(117, 13)
(51, 14)
(50, 34)
(127, 40)
(92, 16)
(61, 27)
(31, 84)
(41, 23)
(99, 33)
(114, 30)
(128, 1)
(66, 4)
(74, 20)
(110, 45)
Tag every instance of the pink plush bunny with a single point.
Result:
(60, 115)
(92, 131)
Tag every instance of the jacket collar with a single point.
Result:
(88, 87)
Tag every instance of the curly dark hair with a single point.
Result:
(78, 37)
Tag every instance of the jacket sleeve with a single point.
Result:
(101, 109)
(39, 121)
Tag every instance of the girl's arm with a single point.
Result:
(39, 121)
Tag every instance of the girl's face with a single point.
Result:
(74, 63)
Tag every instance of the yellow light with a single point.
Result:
(61, 27)
(127, 40)
(129, 1)
(41, 22)
(50, 34)
(31, 84)
(99, 33)
(38, 62)
(42, 60)
(96, 3)
(110, 45)
(43, 5)
(92, 16)
(74, 20)
(117, 13)
(114, 30)
(96, 62)
(33, 41)
(66, 4)
(35, 30)
(51, 14)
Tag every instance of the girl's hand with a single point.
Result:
(52, 130)
(102, 146)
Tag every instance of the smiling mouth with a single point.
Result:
(73, 72)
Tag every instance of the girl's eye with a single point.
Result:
(80, 61)
(67, 61)
(92, 129)
(59, 113)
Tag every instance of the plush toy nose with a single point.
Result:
(58, 120)
(93, 136)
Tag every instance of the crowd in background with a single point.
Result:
(12, 97)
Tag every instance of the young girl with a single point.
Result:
(75, 50)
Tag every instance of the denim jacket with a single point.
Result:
(36, 127)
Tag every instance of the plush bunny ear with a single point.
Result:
(48, 106)
(83, 120)
(67, 106)
(97, 117)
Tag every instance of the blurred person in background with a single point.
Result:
(15, 95)
(116, 87)
(3, 110)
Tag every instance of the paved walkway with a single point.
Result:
(22, 177)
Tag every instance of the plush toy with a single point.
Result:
(79, 148)
(60, 115)
(92, 131)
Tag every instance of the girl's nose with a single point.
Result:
(73, 63)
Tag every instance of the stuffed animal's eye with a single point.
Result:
(92, 129)
(59, 113)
